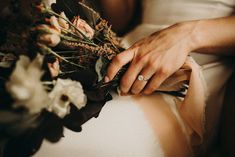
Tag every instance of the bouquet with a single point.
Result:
(53, 59)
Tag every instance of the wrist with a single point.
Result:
(190, 31)
(196, 39)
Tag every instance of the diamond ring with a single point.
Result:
(141, 78)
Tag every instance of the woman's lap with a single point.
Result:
(161, 113)
(127, 126)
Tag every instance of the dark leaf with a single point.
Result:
(70, 7)
(86, 77)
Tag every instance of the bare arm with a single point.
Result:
(216, 36)
(153, 56)
(118, 12)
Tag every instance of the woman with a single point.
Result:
(159, 124)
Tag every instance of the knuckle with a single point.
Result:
(152, 64)
(141, 60)
(118, 60)
(163, 71)
(144, 59)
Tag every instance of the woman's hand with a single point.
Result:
(155, 57)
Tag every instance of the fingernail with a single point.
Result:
(106, 79)
(123, 91)
(123, 94)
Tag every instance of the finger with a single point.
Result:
(118, 62)
(130, 76)
(155, 82)
(138, 85)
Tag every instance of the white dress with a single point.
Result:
(152, 126)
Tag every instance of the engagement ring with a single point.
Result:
(141, 78)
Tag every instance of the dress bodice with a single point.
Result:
(168, 12)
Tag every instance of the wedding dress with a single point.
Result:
(157, 125)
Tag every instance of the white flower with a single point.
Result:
(64, 93)
(48, 3)
(25, 86)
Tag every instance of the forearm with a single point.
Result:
(118, 12)
(215, 36)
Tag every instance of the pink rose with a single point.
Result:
(59, 23)
(82, 26)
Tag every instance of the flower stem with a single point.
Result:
(67, 61)
(75, 40)
(70, 23)
(65, 52)
(48, 83)
(67, 72)
(62, 58)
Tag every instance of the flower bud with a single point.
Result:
(82, 26)
(46, 29)
(54, 22)
(49, 39)
(62, 21)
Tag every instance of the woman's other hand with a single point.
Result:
(155, 57)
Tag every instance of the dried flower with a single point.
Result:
(64, 93)
(25, 86)
(54, 68)
(82, 26)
